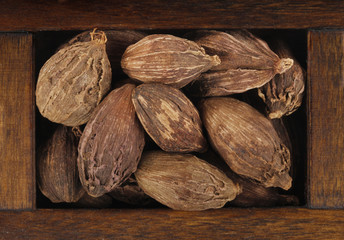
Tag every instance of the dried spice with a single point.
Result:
(111, 143)
(57, 172)
(247, 62)
(73, 81)
(247, 141)
(169, 118)
(117, 42)
(283, 94)
(184, 182)
(166, 59)
(87, 201)
(131, 193)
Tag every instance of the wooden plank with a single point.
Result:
(326, 119)
(17, 185)
(178, 14)
(279, 223)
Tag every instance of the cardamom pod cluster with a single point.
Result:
(122, 89)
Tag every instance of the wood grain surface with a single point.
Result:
(34, 15)
(279, 223)
(326, 119)
(17, 185)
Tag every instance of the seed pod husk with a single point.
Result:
(57, 172)
(87, 201)
(166, 59)
(117, 42)
(247, 141)
(131, 193)
(247, 62)
(73, 81)
(111, 143)
(283, 94)
(169, 118)
(184, 182)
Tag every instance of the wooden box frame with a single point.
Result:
(322, 217)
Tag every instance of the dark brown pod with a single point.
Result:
(117, 42)
(87, 201)
(57, 172)
(163, 58)
(111, 143)
(246, 62)
(247, 141)
(169, 118)
(283, 94)
(73, 81)
(131, 193)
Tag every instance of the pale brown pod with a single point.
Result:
(111, 143)
(184, 182)
(73, 81)
(283, 94)
(57, 172)
(131, 193)
(166, 59)
(169, 118)
(247, 141)
(117, 42)
(247, 62)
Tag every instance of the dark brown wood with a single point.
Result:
(17, 185)
(280, 223)
(179, 14)
(326, 119)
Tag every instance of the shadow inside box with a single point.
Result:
(47, 43)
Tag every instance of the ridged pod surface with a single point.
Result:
(169, 118)
(73, 81)
(57, 171)
(247, 141)
(166, 59)
(283, 94)
(111, 143)
(184, 182)
(247, 62)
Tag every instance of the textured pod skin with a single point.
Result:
(169, 118)
(111, 144)
(283, 94)
(166, 59)
(253, 194)
(246, 62)
(131, 193)
(184, 182)
(247, 141)
(57, 172)
(117, 42)
(73, 81)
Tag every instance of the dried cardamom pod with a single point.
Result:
(184, 182)
(169, 118)
(253, 194)
(131, 193)
(111, 143)
(247, 141)
(87, 201)
(166, 59)
(73, 81)
(283, 94)
(57, 172)
(117, 42)
(246, 62)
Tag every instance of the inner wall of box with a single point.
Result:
(46, 44)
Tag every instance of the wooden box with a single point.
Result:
(322, 215)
